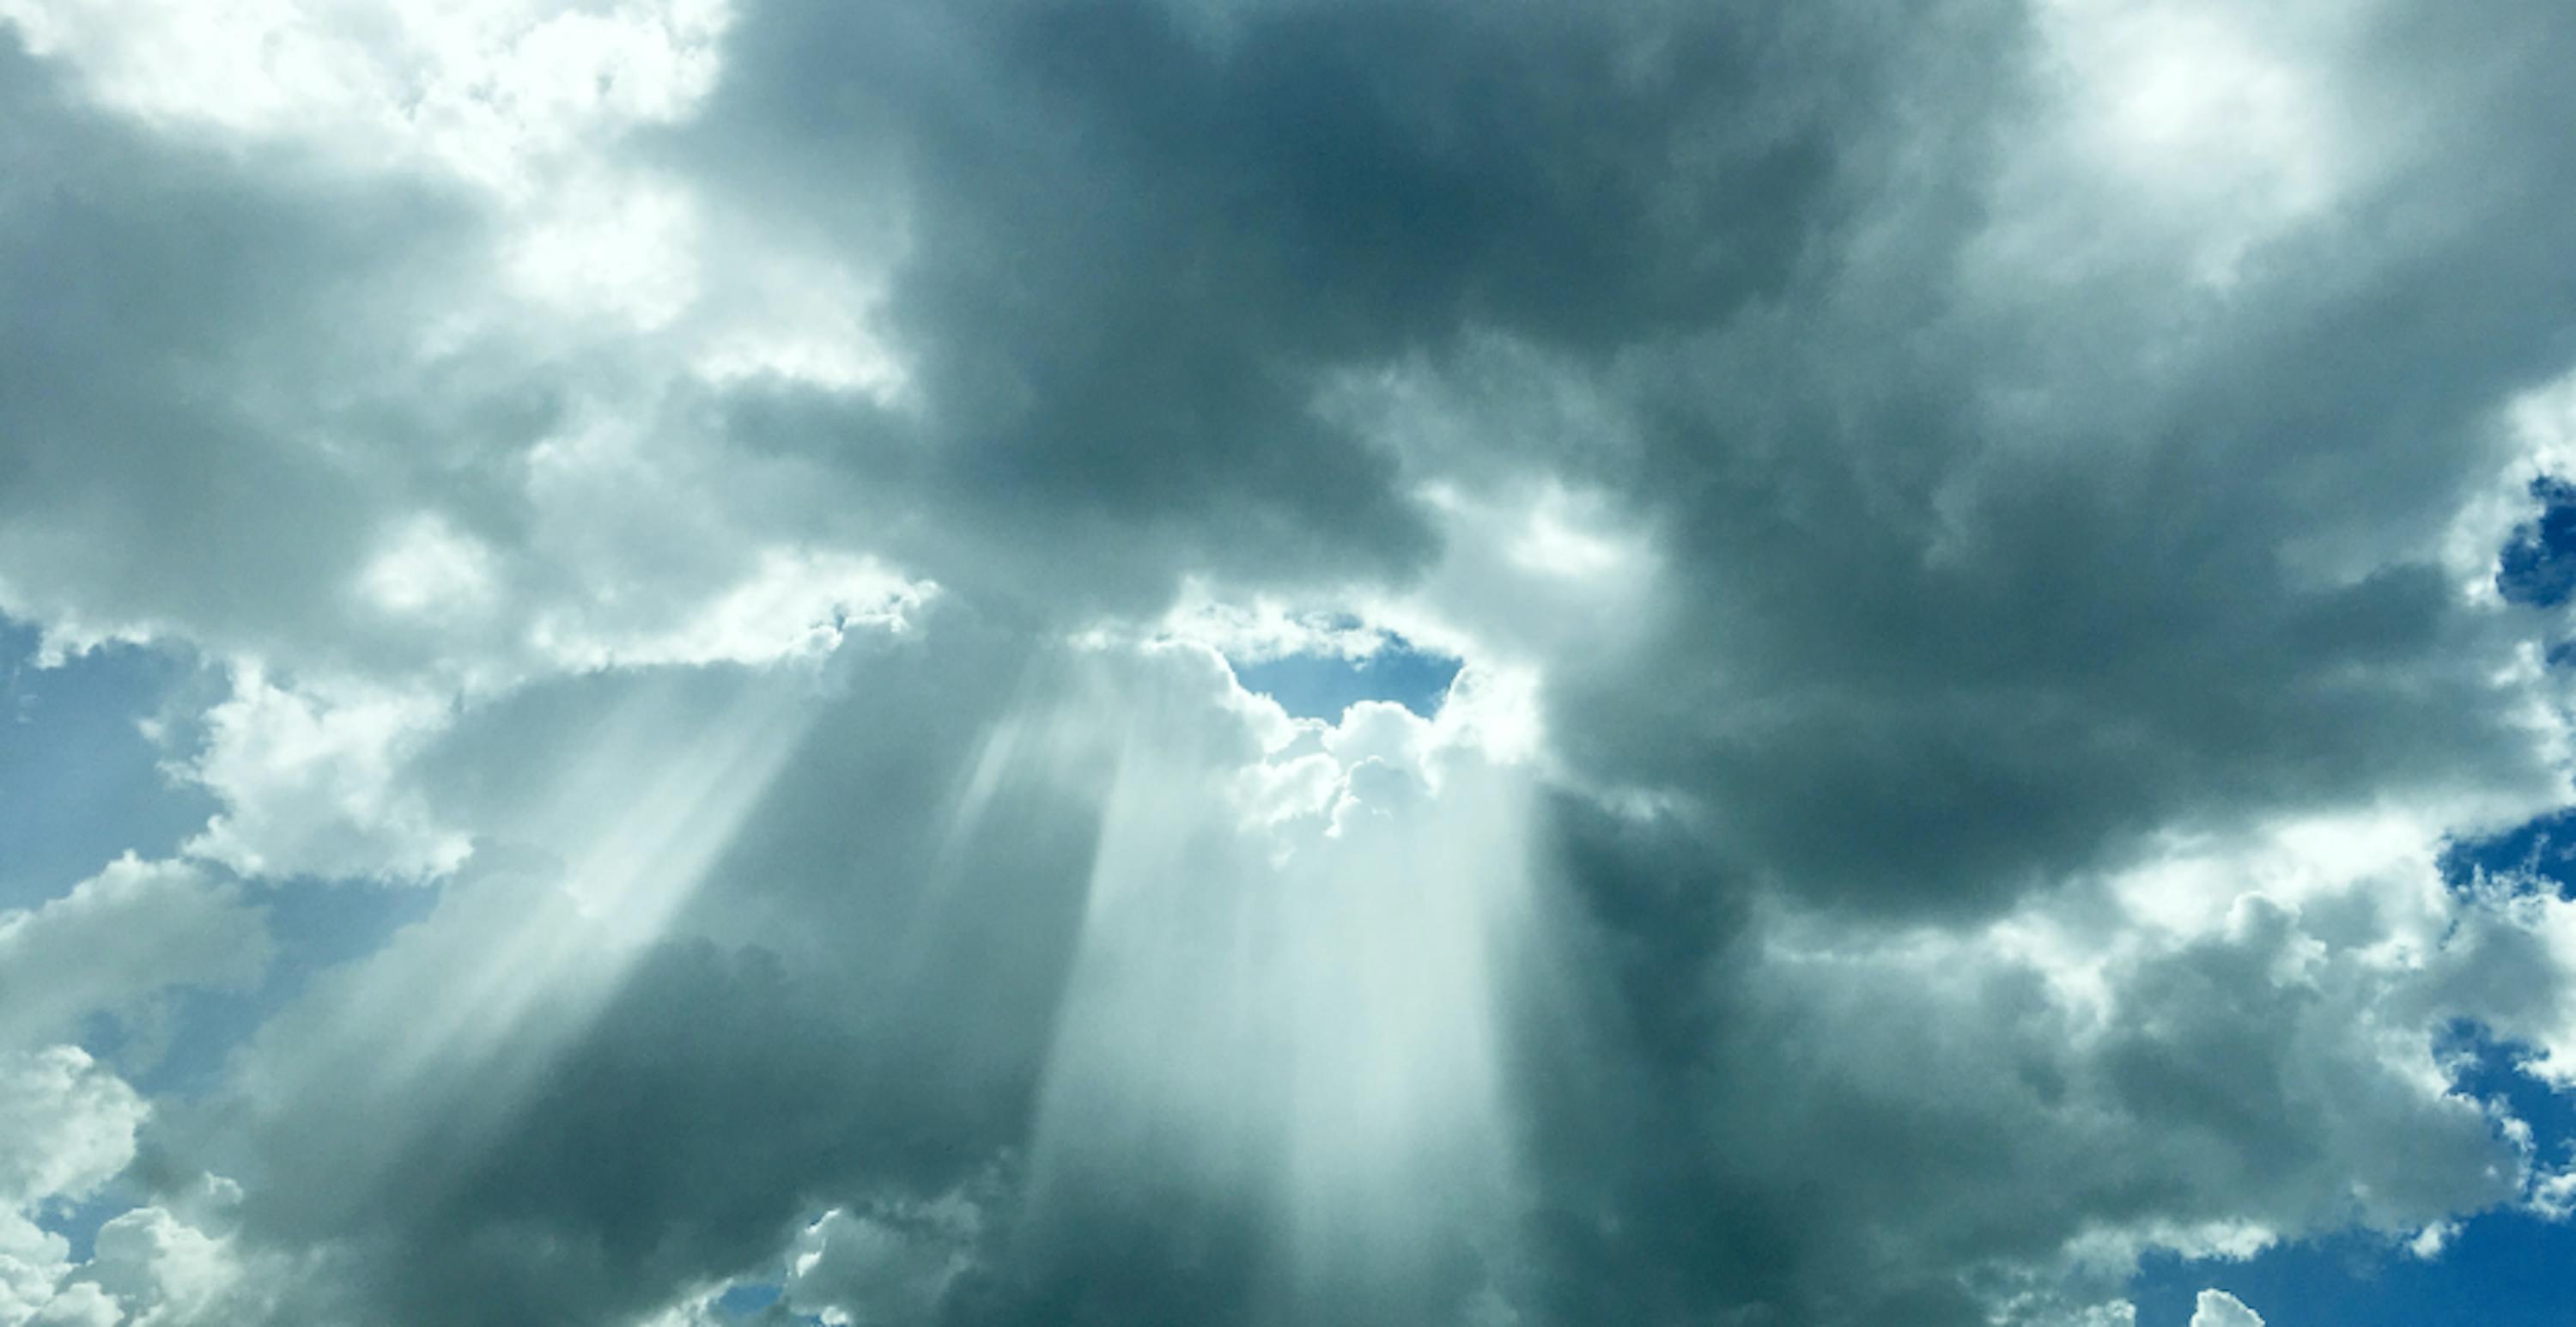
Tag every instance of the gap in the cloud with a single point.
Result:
(80, 784)
(1323, 685)
(2538, 564)
(78, 1223)
(757, 1301)
(2486, 1068)
(2503, 1268)
(314, 925)
(2537, 854)
(743, 1299)
(748, 1297)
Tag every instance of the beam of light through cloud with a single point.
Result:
(1297, 1021)
(517, 961)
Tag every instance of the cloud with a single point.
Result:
(165, 1272)
(68, 1126)
(1972, 545)
(890, 1267)
(2210, 1093)
(71, 1125)
(163, 302)
(180, 469)
(117, 938)
(306, 783)
(1123, 279)
(941, 1012)
(2217, 1308)
(1934, 596)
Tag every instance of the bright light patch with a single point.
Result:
(1570, 540)
(2194, 886)
(488, 89)
(797, 603)
(429, 569)
(801, 320)
(623, 248)
(2178, 139)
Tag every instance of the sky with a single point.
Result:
(1030, 663)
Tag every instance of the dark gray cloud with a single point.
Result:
(1977, 585)
(1134, 244)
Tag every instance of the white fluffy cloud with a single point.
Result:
(2217, 1308)
(309, 784)
(67, 1127)
(165, 1271)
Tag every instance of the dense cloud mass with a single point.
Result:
(2005, 566)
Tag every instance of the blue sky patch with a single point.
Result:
(2540, 851)
(1321, 686)
(2538, 565)
(750, 1297)
(79, 783)
(2504, 1268)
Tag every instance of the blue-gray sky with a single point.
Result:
(1357, 662)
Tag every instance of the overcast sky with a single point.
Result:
(1369, 663)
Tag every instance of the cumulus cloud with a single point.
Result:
(115, 939)
(1971, 543)
(2217, 1308)
(164, 1272)
(68, 1126)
